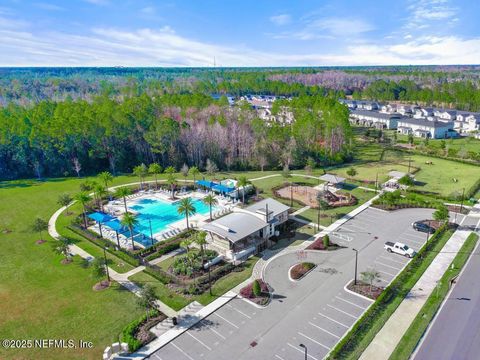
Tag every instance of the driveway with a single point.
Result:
(316, 311)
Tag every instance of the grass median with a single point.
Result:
(411, 338)
(363, 332)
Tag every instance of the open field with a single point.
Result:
(45, 299)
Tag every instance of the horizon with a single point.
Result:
(188, 34)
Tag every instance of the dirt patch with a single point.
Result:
(307, 195)
(298, 271)
(66, 261)
(372, 292)
(262, 299)
(40, 242)
(102, 285)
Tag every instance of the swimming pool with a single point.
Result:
(161, 214)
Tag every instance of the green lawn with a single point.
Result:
(162, 292)
(336, 213)
(439, 177)
(40, 297)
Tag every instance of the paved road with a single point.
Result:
(455, 333)
(315, 311)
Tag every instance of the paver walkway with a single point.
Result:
(391, 333)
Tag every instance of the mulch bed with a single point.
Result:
(456, 208)
(263, 299)
(318, 245)
(66, 261)
(102, 285)
(299, 270)
(372, 292)
(143, 333)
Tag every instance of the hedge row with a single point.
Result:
(129, 331)
(102, 243)
(364, 330)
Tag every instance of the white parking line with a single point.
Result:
(215, 331)
(383, 280)
(335, 321)
(355, 226)
(279, 357)
(313, 340)
(200, 341)
(228, 321)
(390, 266)
(346, 313)
(302, 351)
(328, 332)
(351, 303)
(240, 312)
(395, 261)
(183, 352)
(416, 242)
(386, 273)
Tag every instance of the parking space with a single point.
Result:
(200, 341)
(326, 327)
(316, 311)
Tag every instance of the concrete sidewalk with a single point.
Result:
(392, 332)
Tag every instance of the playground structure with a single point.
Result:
(308, 196)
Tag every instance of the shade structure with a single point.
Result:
(206, 183)
(115, 225)
(223, 189)
(100, 217)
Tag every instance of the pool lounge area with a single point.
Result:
(157, 216)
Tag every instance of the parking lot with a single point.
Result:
(316, 311)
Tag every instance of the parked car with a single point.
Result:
(399, 248)
(421, 226)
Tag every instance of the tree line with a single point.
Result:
(85, 137)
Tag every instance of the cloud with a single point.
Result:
(327, 28)
(282, 19)
(49, 7)
(98, 2)
(424, 13)
(148, 10)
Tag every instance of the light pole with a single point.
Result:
(151, 233)
(305, 350)
(356, 263)
(461, 204)
(106, 264)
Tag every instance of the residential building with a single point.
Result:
(246, 231)
(374, 119)
(426, 128)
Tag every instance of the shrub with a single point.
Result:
(326, 241)
(256, 288)
(129, 331)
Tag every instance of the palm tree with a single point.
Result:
(211, 201)
(64, 200)
(100, 191)
(63, 248)
(106, 178)
(123, 192)
(83, 198)
(186, 244)
(172, 182)
(200, 240)
(147, 299)
(194, 171)
(155, 169)
(130, 221)
(186, 208)
(170, 170)
(242, 183)
(141, 171)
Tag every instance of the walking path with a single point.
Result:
(391, 333)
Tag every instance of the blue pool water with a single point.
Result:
(161, 214)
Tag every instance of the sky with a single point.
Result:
(202, 33)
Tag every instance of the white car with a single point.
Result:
(400, 249)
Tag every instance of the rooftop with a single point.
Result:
(424, 122)
(235, 226)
